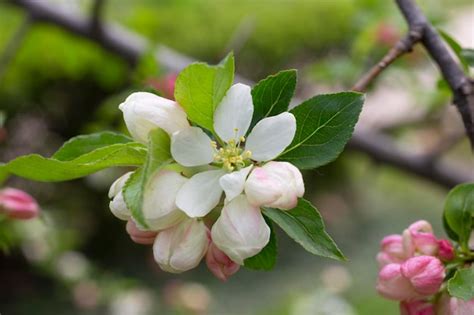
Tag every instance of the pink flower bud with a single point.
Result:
(416, 308)
(446, 250)
(139, 236)
(392, 250)
(392, 285)
(276, 184)
(448, 305)
(17, 204)
(419, 239)
(219, 263)
(425, 273)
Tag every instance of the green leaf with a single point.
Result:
(458, 212)
(305, 225)
(158, 157)
(201, 87)
(83, 144)
(456, 47)
(468, 55)
(462, 284)
(272, 95)
(43, 169)
(266, 259)
(324, 124)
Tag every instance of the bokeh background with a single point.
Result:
(77, 259)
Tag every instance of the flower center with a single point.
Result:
(232, 156)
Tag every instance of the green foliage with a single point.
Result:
(158, 156)
(324, 124)
(80, 145)
(200, 88)
(43, 169)
(266, 259)
(468, 55)
(459, 213)
(462, 284)
(272, 95)
(305, 225)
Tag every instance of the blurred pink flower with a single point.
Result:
(448, 305)
(425, 273)
(165, 85)
(419, 239)
(392, 250)
(219, 263)
(416, 308)
(17, 204)
(446, 250)
(416, 278)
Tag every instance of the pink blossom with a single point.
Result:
(416, 278)
(392, 285)
(392, 250)
(425, 273)
(448, 305)
(446, 250)
(17, 204)
(219, 263)
(416, 308)
(419, 239)
(139, 236)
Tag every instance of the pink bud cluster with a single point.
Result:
(17, 204)
(412, 269)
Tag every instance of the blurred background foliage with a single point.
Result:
(77, 258)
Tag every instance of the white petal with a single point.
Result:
(240, 232)
(181, 247)
(233, 115)
(192, 147)
(271, 136)
(118, 207)
(159, 200)
(200, 194)
(233, 183)
(144, 112)
(117, 186)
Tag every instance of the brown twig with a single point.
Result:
(420, 29)
(402, 47)
(131, 46)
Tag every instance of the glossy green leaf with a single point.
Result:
(83, 144)
(158, 156)
(201, 87)
(324, 125)
(39, 168)
(272, 95)
(458, 212)
(462, 284)
(266, 259)
(305, 225)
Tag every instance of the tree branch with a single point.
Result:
(96, 16)
(403, 46)
(131, 46)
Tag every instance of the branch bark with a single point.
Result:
(131, 46)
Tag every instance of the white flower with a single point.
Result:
(159, 200)
(181, 247)
(144, 112)
(117, 204)
(276, 185)
(240, 231)
(193, 147)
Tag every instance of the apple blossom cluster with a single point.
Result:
(17, 204)
(208, 201)
(413, 267)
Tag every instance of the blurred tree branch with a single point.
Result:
(131, 47)
(421, 30)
